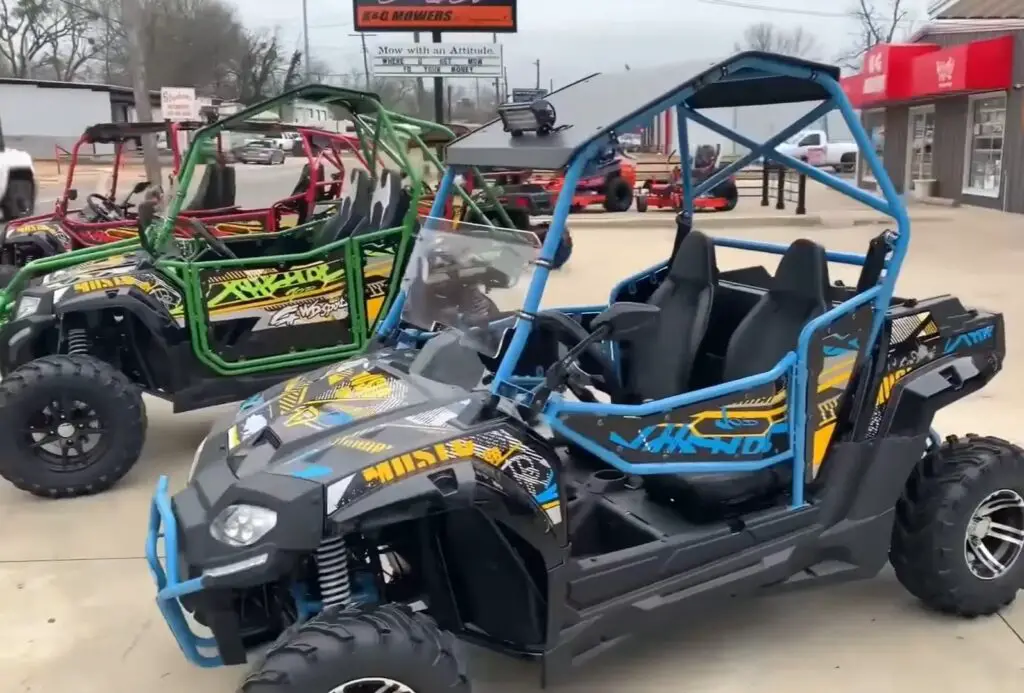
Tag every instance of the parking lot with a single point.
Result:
(76, 600)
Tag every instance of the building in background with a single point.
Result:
(40, 115)
(945, 111)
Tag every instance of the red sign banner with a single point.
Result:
(490, 16)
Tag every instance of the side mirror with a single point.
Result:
(72, 195)
(140, 186)
(624, 318)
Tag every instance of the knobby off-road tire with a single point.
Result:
(929, 544)
(618, 195)
(343, 646)
(78, 385)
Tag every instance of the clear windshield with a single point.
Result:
(468, 277)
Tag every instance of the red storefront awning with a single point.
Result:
(903, 72)
(971, 67)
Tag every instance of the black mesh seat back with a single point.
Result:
(353, 209)
(661, 358)
(207, 194)
(302, 185)
(798, 294)
(385, 202)
(228, 191)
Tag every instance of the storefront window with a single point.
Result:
(874, 124)
(984, 167)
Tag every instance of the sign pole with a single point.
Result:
(438, 87)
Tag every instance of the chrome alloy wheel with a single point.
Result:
(995, 535)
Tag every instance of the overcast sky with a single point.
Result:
(572, 38)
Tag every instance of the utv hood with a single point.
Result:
(331, 423)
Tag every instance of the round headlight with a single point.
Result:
(242, 525)
(28, 305)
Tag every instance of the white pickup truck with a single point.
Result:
(17, 183)
(814, 147)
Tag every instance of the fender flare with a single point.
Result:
(917, 396)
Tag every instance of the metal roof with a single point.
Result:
(977, 9)
(603, 103)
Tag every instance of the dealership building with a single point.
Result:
(945, 111)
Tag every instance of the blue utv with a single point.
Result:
(549, 483)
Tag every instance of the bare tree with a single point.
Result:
(878, 21)
(258, 67)
(45, 38)
(765, 36)
(80, 41)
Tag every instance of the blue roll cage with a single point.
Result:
(794, 365)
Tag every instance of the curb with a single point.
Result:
(728, 221)
(708, 221)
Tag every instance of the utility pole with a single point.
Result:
(438, 88)
(497, 80)
(366, 57)
(421, 90)
(366, 61)
(131, 13)
(305, 39)
(537, 63)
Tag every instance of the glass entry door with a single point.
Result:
(919, 145)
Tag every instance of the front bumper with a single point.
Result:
(170, 587)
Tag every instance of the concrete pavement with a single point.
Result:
(76, 602)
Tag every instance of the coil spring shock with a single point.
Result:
(332, 572)
(78, 341)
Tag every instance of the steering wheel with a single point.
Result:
(103, 207)
(219, 246)
(569, 333)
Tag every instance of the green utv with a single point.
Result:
(204, 320)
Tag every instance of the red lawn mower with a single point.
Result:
(668, 194)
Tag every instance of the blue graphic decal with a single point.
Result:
(548, 494)
(846, 346)
(969, 339)
(311, 471)
(251, 403)
(332, 417)
(679, 439)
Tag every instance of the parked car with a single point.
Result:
(814, 146)
(263, 151)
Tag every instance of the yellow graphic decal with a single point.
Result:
(112, 283)
(836, 376)
(398, 467)
(302, 417)
(255, 289)
(888, 382)
(368, 446)
(294, 394)
(362, 386)
(234, 439)
(32, 228)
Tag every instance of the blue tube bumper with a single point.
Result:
(170, 587)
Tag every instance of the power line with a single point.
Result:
(776, 9)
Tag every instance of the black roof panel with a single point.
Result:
(602, 102)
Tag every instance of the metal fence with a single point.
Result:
(774, 184)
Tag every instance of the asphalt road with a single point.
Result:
(76, 600)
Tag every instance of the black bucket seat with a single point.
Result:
(353, 210)
(660, 359)
(797, 294)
